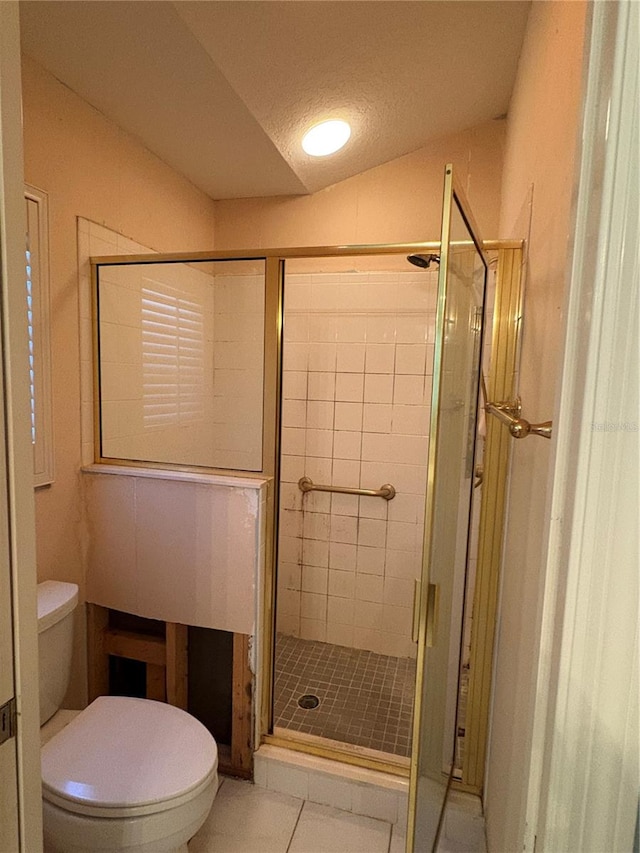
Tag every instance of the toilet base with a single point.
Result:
(66, 832)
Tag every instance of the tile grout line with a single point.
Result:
(302, 805)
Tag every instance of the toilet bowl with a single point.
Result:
(126, 774)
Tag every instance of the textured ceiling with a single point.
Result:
(223, 91)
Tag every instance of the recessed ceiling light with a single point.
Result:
(326, 137)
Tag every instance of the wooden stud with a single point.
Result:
(156, 682)
(127, 644)
(97, 657)
(177, 664)
(241, 752)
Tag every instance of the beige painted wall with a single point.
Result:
(89, 168)
(542, 136)
(398, 202)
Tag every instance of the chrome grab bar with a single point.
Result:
(388, 492)
(509, 413)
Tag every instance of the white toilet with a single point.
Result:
(125, 774)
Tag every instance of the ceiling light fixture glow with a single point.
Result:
(326, 138)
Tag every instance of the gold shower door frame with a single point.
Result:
(504, 348)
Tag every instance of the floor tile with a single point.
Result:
(247, 819)
(322, 829)
(365, 698)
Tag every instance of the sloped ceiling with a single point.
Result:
(223, 91)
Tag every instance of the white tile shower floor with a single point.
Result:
(248, 819)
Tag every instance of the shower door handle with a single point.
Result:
(432, 612)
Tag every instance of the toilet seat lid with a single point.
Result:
(125, 753)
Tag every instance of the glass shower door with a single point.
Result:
(461, 287)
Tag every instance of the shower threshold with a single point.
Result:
(365, 700)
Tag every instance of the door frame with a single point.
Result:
(17, 446)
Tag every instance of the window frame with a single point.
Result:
(41, 396)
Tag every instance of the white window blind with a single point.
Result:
(173, 352)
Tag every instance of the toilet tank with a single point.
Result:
(56, 603)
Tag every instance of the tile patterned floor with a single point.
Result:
(366, 699)
(249, 819)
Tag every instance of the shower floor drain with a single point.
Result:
(308, 701)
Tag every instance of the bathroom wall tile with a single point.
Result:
(411, 479)
(295, 356)
(291, 522)
(340, 610)
(401, 535)
(377, 447)
(290, 549)
(379, 358)
(294, 385)
(313, 605)
(348, 416)
(288, 780)
(410, 449)
(369, 587)
(380, 329)
(397, 620)
(409, 390)
(365, 638)
(316, 525)
(315, 553)
(375, 802)
(290, 496)
(344, 504)
(370, 560)
(324, 297)
(319, 470)
(411, 358)
(342, 556)
(293, 441)
(345, 473)
(322, 329)
(342, 584)
(403, 564)
(322, 357)
(350, 387)
(320, 442)
(294, 413)
(367, 614)
(297, 296)
(378, 388)
(344, 528)
(313, 629)
(411, 419)
(372, 532)
(412, 329)
(314, 579)
(322, 386)
(430, 354)
(350, 358)
(296, 327)
(398, 591)
(320, 414)
(377, 417)
(409, 508)
(371, 507)
(351, 329)
(339, 635)
(289, 576)
(317, 501)
(288, 623)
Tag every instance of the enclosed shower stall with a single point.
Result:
(357, 369)
(328, 396)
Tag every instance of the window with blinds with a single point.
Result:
(37, 316)
(173, 358)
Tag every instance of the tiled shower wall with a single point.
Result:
(358, 359)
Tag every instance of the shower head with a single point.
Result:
(423, 261)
